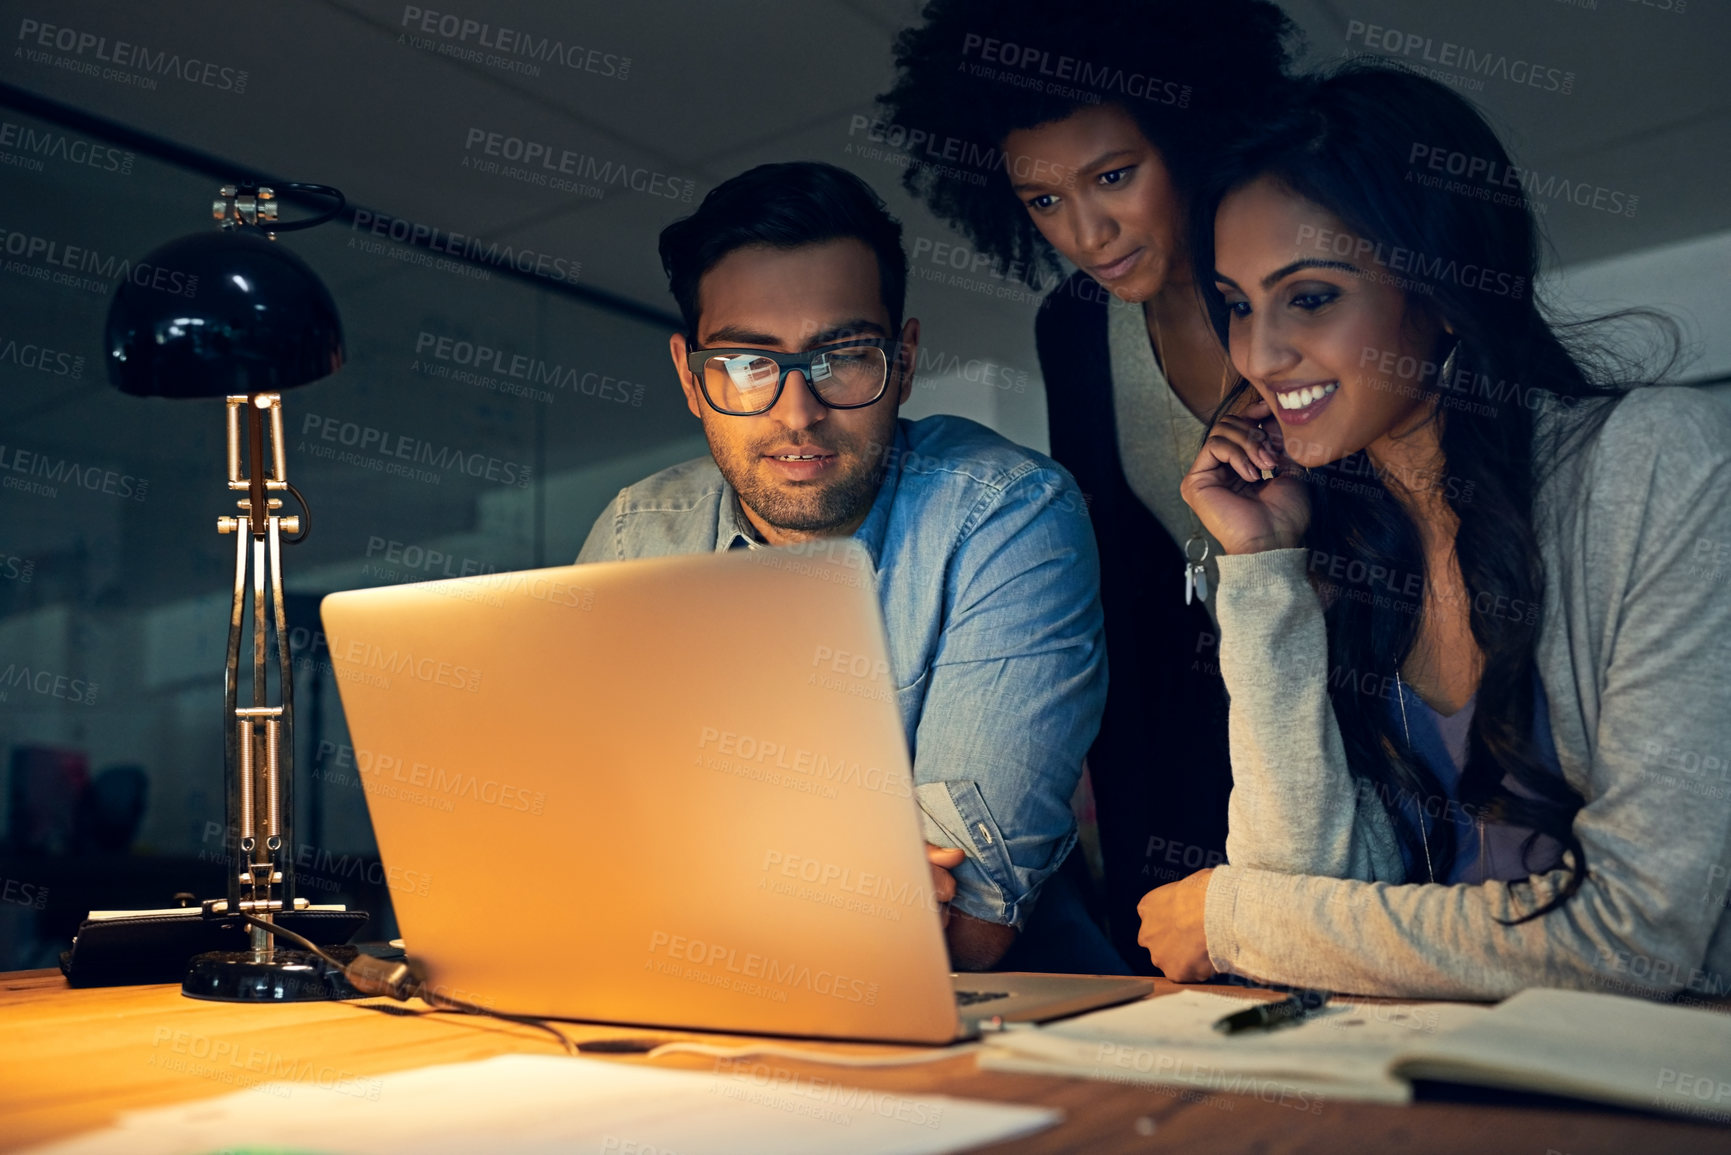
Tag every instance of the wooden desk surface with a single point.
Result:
(70, 1060)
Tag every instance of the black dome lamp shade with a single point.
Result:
(248, 317)
(231, 314)
(257, 321)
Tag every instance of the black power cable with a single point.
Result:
(377, 976)
(306, 516)
(394, 979)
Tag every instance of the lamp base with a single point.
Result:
(274, 976)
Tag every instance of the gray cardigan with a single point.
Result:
(1635, 659)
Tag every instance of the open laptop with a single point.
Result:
(672, 792)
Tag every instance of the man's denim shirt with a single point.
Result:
(990, 586)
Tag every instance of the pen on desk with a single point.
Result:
(1265, 1015)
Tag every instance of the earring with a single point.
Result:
(1448, 366)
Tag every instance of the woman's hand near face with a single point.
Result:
(1224, 486)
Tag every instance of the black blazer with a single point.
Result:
(1160, 766)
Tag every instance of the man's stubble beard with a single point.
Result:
(814, 507)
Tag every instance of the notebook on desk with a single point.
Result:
(672, 792)
(1583, 1045)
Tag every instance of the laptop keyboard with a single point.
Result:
(970, 998)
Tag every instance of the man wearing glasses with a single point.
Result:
(791, 279)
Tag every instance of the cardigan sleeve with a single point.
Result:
(1295, 806)
(1657, 842)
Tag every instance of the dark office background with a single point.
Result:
(113, 582)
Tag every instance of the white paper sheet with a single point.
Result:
(524, 1103)
(1341, 1051)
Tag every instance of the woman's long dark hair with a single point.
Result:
(1412, 168)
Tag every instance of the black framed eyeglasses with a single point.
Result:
(746, 382)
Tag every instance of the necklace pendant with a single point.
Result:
(1195, 577)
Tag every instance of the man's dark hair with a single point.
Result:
(784, 206)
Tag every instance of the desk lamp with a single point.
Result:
(231, 314)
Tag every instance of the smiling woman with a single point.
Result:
(1332, 310)
(1462, 795)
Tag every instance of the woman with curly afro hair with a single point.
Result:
(1083, 128)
